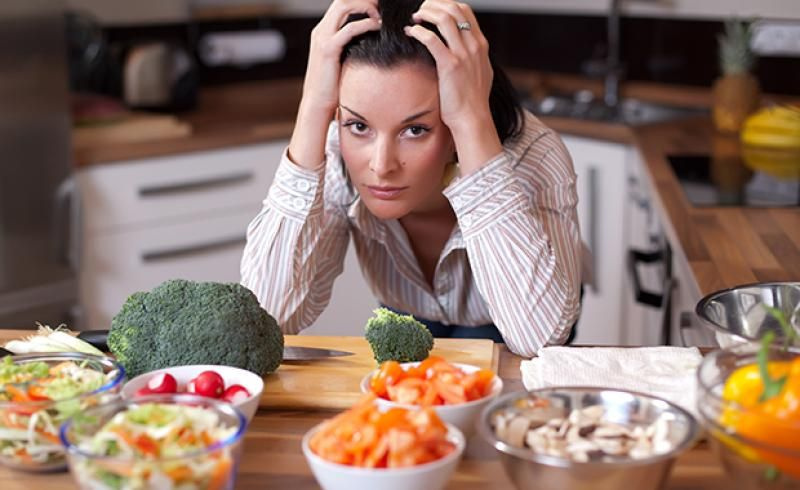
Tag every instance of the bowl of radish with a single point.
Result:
(239, 387)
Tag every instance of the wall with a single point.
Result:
(121, 12)
(125, 12)
(711, 9)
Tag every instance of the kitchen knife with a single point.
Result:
(99, 339)
(311, 353)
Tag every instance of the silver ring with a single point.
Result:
(464, 26)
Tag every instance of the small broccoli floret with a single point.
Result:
(184, 322)
(397, 337)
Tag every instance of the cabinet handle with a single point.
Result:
(635, 257)
(195, 185)
(593, 227)
(200, 248)
(67, 221)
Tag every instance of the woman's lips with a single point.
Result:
(385, 193)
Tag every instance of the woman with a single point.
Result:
(461, 206)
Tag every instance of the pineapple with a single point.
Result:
(736, 93)
(735, 55)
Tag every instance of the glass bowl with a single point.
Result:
(205, 443)
(755, 459)
(29, 421)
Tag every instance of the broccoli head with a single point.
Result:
(183, 322)
(397, 337)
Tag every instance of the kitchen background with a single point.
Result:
(124, 212)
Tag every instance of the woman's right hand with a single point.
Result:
(321, 85)
(328, 38)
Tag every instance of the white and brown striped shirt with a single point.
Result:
(513, 258)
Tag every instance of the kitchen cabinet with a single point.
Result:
(185, 216)
(601, 185)
(659, 288)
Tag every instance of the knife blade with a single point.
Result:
(311, 353)
(99, 339)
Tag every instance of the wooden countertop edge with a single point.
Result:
(204, 141)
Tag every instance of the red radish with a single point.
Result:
(162, 383)
(208, 383)
(235, 394)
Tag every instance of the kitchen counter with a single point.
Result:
(724, 246)
(273, 459)
(226, 116)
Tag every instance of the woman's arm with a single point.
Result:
(296, 244)
(519, 221)
(295, 247)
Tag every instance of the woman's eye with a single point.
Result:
(416, 131)
(357, 127)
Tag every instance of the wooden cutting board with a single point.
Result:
(335, 382)
(136, 127)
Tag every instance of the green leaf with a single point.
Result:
(772, 387)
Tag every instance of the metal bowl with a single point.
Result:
(528, 468)
(737, 315)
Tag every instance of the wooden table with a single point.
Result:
(273, 459)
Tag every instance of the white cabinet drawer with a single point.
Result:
(115, 265)
(158, 190)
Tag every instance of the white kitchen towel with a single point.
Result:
(666, 372)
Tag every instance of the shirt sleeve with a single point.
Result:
(295, 247)
(519, 222)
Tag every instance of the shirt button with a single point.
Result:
(302, 185)
(466, 220)
(299, 203)
(458, 201)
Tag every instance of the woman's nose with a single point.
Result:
(384, 159)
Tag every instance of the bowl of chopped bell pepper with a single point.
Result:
(457, 392)
(749, 403)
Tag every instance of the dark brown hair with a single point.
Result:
(390, 46)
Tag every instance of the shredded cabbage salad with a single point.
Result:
(35, 398)
(155, 445)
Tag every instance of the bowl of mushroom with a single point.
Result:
(587, 438)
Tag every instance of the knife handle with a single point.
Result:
(97, 338)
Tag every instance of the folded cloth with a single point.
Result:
(665, 372)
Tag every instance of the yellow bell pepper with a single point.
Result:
(774, 422)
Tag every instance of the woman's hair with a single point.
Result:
(390, 46)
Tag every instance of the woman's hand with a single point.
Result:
(465, 78)
(328, 38)
(321, 84)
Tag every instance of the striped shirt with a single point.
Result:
(513, 258)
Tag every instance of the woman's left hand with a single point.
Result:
(465, 74)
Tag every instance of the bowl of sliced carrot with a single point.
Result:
(456, 392)
(397, 449)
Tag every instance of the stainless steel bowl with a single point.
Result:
(737, 315)
(529, 469)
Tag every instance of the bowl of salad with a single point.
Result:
(364, 448)
(155, 442)
(456, 392)
(38, 392)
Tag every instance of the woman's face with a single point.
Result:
(393, 141)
